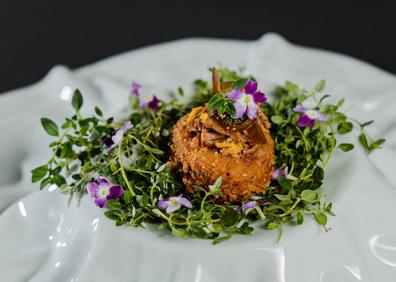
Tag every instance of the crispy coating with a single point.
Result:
(204, 148)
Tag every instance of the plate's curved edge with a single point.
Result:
(269, 37)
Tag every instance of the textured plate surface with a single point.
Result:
(41, 239)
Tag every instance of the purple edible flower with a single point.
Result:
(152, 104)
(107, 141)
(174, 203)
(246, 101)
(309, 116)
(283, 171)
(135, 89)
(102, 190)
(117, 137)
(252, 204)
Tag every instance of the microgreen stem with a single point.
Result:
(124, 176)
(290, 210)
(306, 145)
(260, 212)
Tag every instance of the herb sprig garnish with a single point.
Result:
(124, 168)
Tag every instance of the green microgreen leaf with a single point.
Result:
(321, 218)
(277, 119)
(320, 86)
(77, 100)
(344, 127)
(111, 215)
(39, 172)
(366, 123)
(50, 127)
(285, 183)
(114, 204)
(221, 239)
(363, 141)
(230, 218)
(98, 111)
(309, 195)
(219, 104)
(292, 88)
(346, 147)
(239, 84)
(299, 218)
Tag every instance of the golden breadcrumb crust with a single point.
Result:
(203, 150)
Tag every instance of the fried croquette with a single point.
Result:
(204, 147)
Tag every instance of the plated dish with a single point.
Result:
(61, 243)
(208, 168)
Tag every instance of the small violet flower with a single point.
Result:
(252, 204)
(135, 89)
(280, 172)
(102, 190)
(309, 116)
(152, 104)
(174, 203)
(117, 137)
(246, 101)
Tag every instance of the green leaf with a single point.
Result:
(321, 218)
(230, 108)
(178, 232)
(239, 84)
(272, 225)
(363, 141)
(218, 182)
(344, 127)
(77, 100)
(324, 97)
(346, 147)
(111, 214)
(39, 172)
(180, 91)
(340, 103)
(320, 86)
(309, 196)
(291, 87)
(50, 127)
(318, 173)
(300, 218)
(277, 119)
(45, 182)
(215, 188)
(230, 218)
(246, 228)
(221, 239)
(285, 183)
(59, 180)
(127, 197)
(198, 231)
(98, 111)
(67, 150)
(114, 204)
(143, 200)
(376, 144)
(156, 151)
(282, 197)
(366, 123)
(216, 102)
(289, 139)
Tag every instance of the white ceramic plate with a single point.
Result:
(41, 239)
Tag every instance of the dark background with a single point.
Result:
(37, 34)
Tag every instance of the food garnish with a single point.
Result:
(227, 162)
